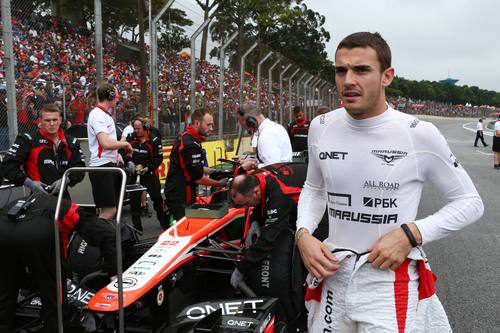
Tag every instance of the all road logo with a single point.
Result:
(389, 156)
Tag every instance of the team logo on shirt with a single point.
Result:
(389, 156)
(380, 185)
(333, 155)
(380, 202)
(339, 199)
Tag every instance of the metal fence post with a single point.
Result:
(297, 87)
(193, 59)
(98, 41)
(314, 83)
(259, 65)
(270, 87)
(305, 95)
(153, 41)
(222, 57)
(290, 94)
(9, 71)
(282, 107)
(242, 69)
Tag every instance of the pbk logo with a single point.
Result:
(380, 202)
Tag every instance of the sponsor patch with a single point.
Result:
(389, 156)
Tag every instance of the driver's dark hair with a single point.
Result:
(368, 39)
(245, 185)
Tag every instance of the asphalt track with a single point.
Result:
(466, 263)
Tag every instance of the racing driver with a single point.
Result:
(367, 165)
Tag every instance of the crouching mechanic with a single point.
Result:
(270, 266)
(41, 157)
(186, 170)
(27, 240)
(147, 156)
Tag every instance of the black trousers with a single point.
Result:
(27, 243)
(152, 183)
(479, 135)
(281, 275)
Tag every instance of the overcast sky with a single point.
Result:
(429, 39)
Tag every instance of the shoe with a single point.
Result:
(486, 145)
(475, 145)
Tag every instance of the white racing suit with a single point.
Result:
(360, 298)
(369, 174)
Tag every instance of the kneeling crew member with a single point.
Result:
(27, 240)
(273, 192)
(147, 156)
(41, 157)
(186, 170)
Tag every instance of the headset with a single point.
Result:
(111, 93)
(250, 121)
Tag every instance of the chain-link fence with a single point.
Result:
(55, 60)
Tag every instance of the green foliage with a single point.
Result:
(286, 26)
(441, 92)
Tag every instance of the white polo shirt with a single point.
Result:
(273, 144)
(100, 121)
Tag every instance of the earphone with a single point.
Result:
(250, 121)
(110, 93)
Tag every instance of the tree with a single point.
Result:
(207, 7)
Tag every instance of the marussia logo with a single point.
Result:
(389, 156)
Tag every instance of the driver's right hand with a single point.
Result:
(317, 257)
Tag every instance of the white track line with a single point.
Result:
(482, 152)
(485, 132)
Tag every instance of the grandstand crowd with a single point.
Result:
(51, 53)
